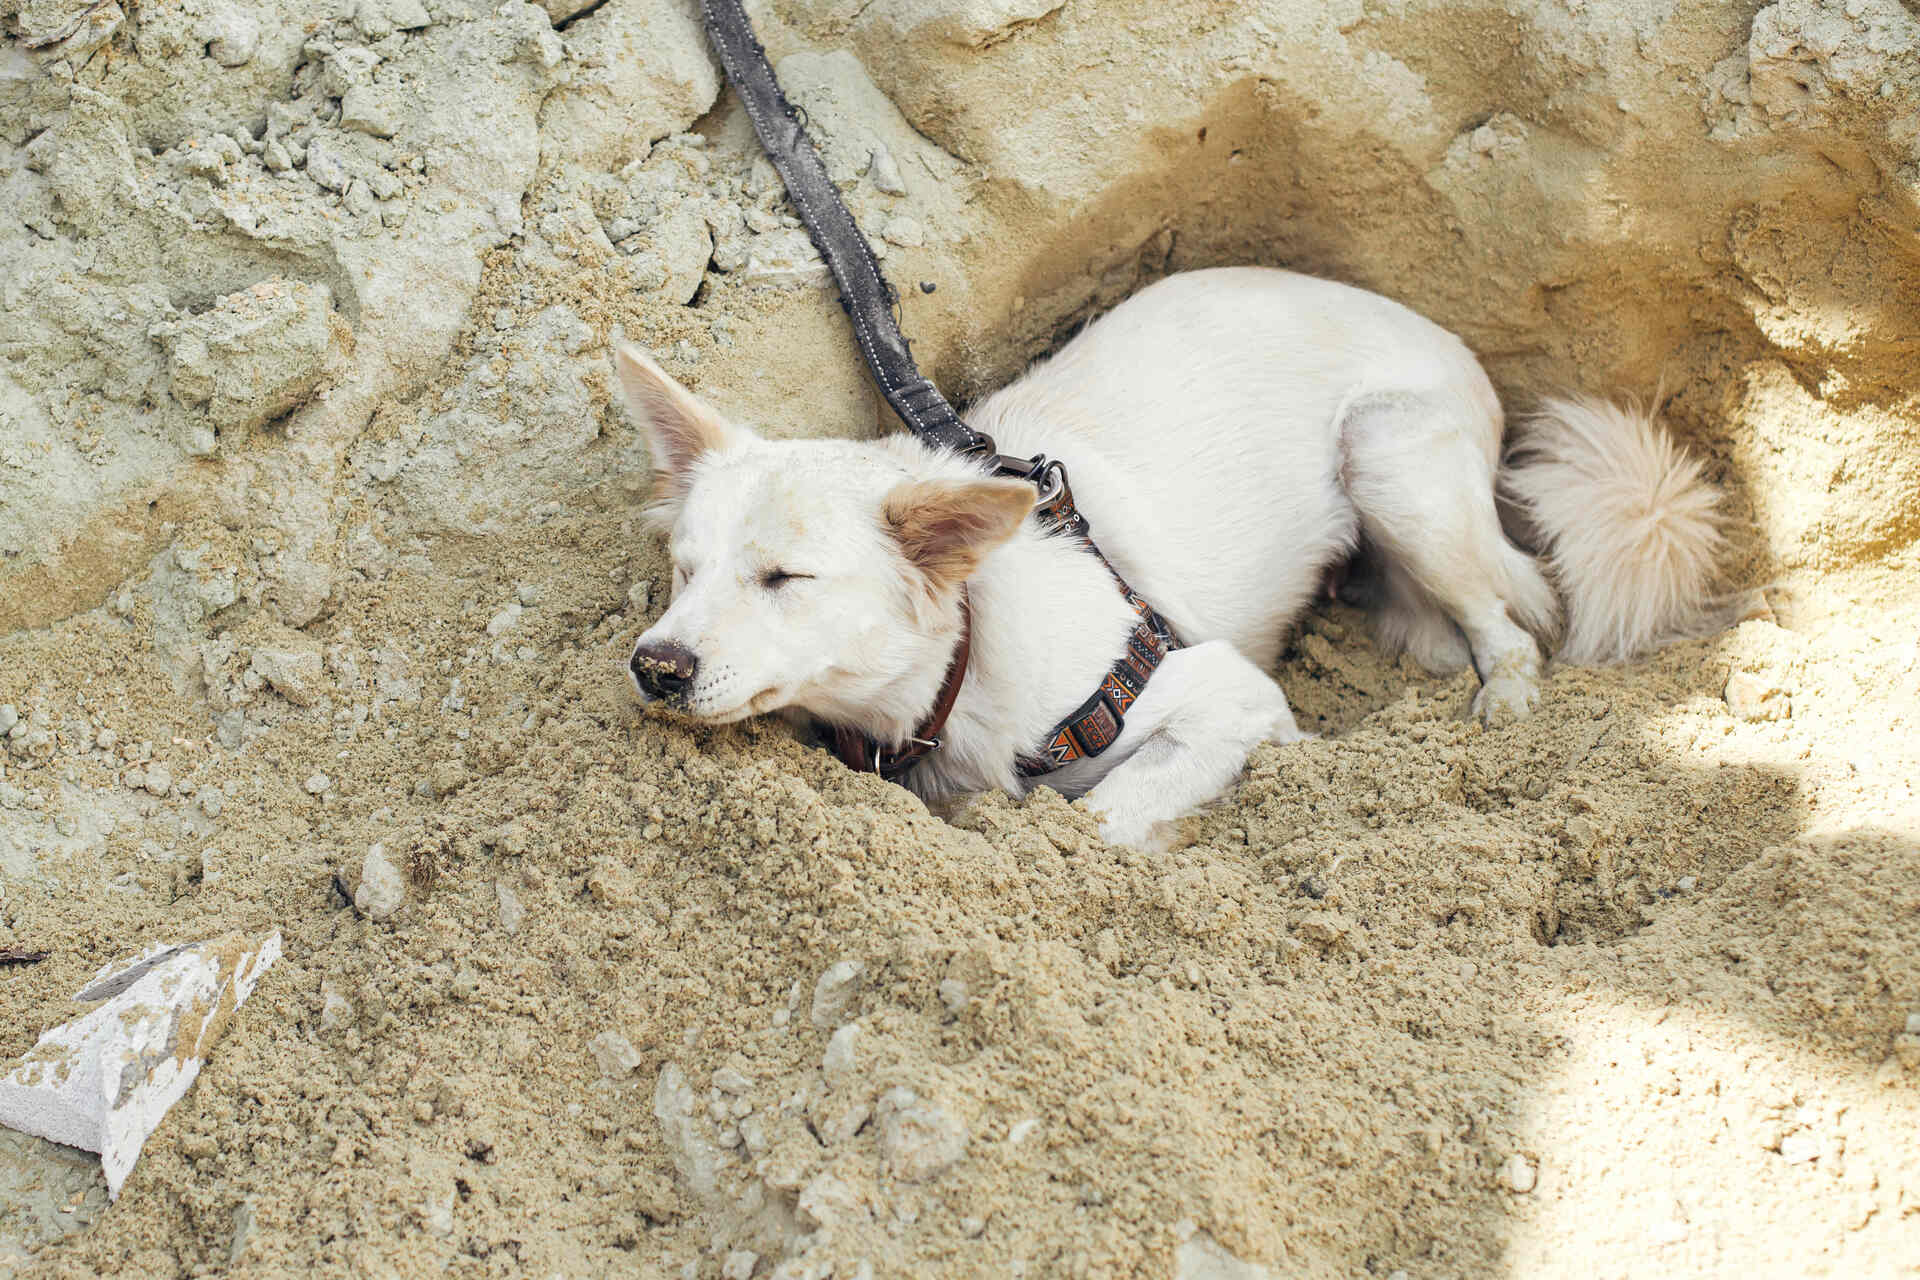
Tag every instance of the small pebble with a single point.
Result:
(728, 1080)
(159, 780)
(9, 716)
(615, 1054)
(1519, 1174)
(885, 172)
(1685, 884)
(1913, 1024)
(739, 1265)
(316, 785)
(107, 740)
(834, 991)
(511, 911)
(504, 619)
(838, 1062)
(382, 891)
(954, 995)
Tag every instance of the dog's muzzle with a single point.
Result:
(663, 669)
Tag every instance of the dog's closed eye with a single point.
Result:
(780, 577)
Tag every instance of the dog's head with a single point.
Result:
(821, 575)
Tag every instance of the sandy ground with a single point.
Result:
(1632, 988)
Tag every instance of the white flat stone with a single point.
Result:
(104, 1081)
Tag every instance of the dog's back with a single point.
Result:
(1200, 420)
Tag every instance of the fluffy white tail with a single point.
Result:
(1627, 526)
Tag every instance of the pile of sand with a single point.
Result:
(318, 532)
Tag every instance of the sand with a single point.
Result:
(1631, 988)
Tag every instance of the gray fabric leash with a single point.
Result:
(868, 298)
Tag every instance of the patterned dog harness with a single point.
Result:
(869, 302)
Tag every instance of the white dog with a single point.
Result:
(1232, 434)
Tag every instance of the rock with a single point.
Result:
(640, 71)
(317, 784)
(1913, 1024)
(694, 1154)
(834, 991)
(382, 890)
(512, 913)
(739, 1265)
(336, 1011)
(257, 354)
(828, 1201)
(1325, 928)
(9, 717)
(406, 15)
(233, 35)
(615, 1054)
(1201, 1257)
(159, 780)
(384, 185)
(505, 620)
(1754, 697)
(785, 258)
(291, 664)
(326, 167)
(919, 1138)
(274, 156)
(904, 231)
(365, 110)
(1519, 1174)
(954, 994)
(838, 1062)
(730, 1080)
(884, 171)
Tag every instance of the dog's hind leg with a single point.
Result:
(1186, 741)
(1419, 469)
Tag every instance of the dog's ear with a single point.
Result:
(945, 527)
(679, 426)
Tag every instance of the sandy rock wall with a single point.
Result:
(320, 554)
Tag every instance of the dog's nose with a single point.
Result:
(664, 668)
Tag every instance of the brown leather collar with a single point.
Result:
(859, 752)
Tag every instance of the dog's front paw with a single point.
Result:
(1507, 698)
(1147, 837)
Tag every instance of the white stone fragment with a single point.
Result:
(504, 620)
(694, 1154)
(1753, 697)
(104, 1081)
(885, 171)
(512, 913)
(615, 1054)
(838, 1063)
(1201, 1257)
(834, 991)
(382, 891)
(1519, 1174)
(919, 1138)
